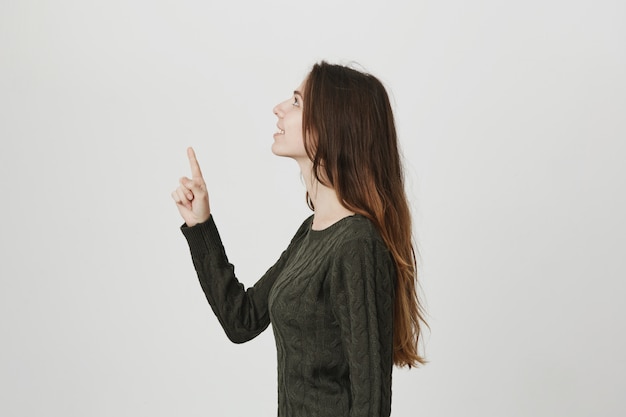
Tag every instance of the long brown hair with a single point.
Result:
(350, 135)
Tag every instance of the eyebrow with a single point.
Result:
(296, 92)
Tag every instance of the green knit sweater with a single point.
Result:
(330, 301)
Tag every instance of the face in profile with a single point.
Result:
(289, 138)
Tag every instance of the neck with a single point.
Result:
(328, 208)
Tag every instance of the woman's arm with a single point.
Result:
(242, 313)
(362, 293)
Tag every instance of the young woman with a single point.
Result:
(342, 297)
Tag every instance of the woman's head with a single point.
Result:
(341, 120)
(349, 134)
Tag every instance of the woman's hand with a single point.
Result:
(191, 197)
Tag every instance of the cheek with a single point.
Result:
(295, 124)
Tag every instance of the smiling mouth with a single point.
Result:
(280, 131)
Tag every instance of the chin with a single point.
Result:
(295, 154)
(276, 150)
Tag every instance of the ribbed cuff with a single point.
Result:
(204, 238)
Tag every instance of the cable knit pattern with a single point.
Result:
(330, 301)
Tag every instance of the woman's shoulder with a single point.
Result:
(357, 242)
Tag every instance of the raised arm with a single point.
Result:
(243, 313)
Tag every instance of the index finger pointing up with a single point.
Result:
(193, 162)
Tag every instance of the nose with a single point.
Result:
(277, 111)
(282, 108)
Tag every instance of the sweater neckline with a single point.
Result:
(332, 227)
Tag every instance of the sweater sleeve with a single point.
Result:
(362, 293)
(243, 313)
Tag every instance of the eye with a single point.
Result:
(295, 101)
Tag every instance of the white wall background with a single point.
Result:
(512, 117)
